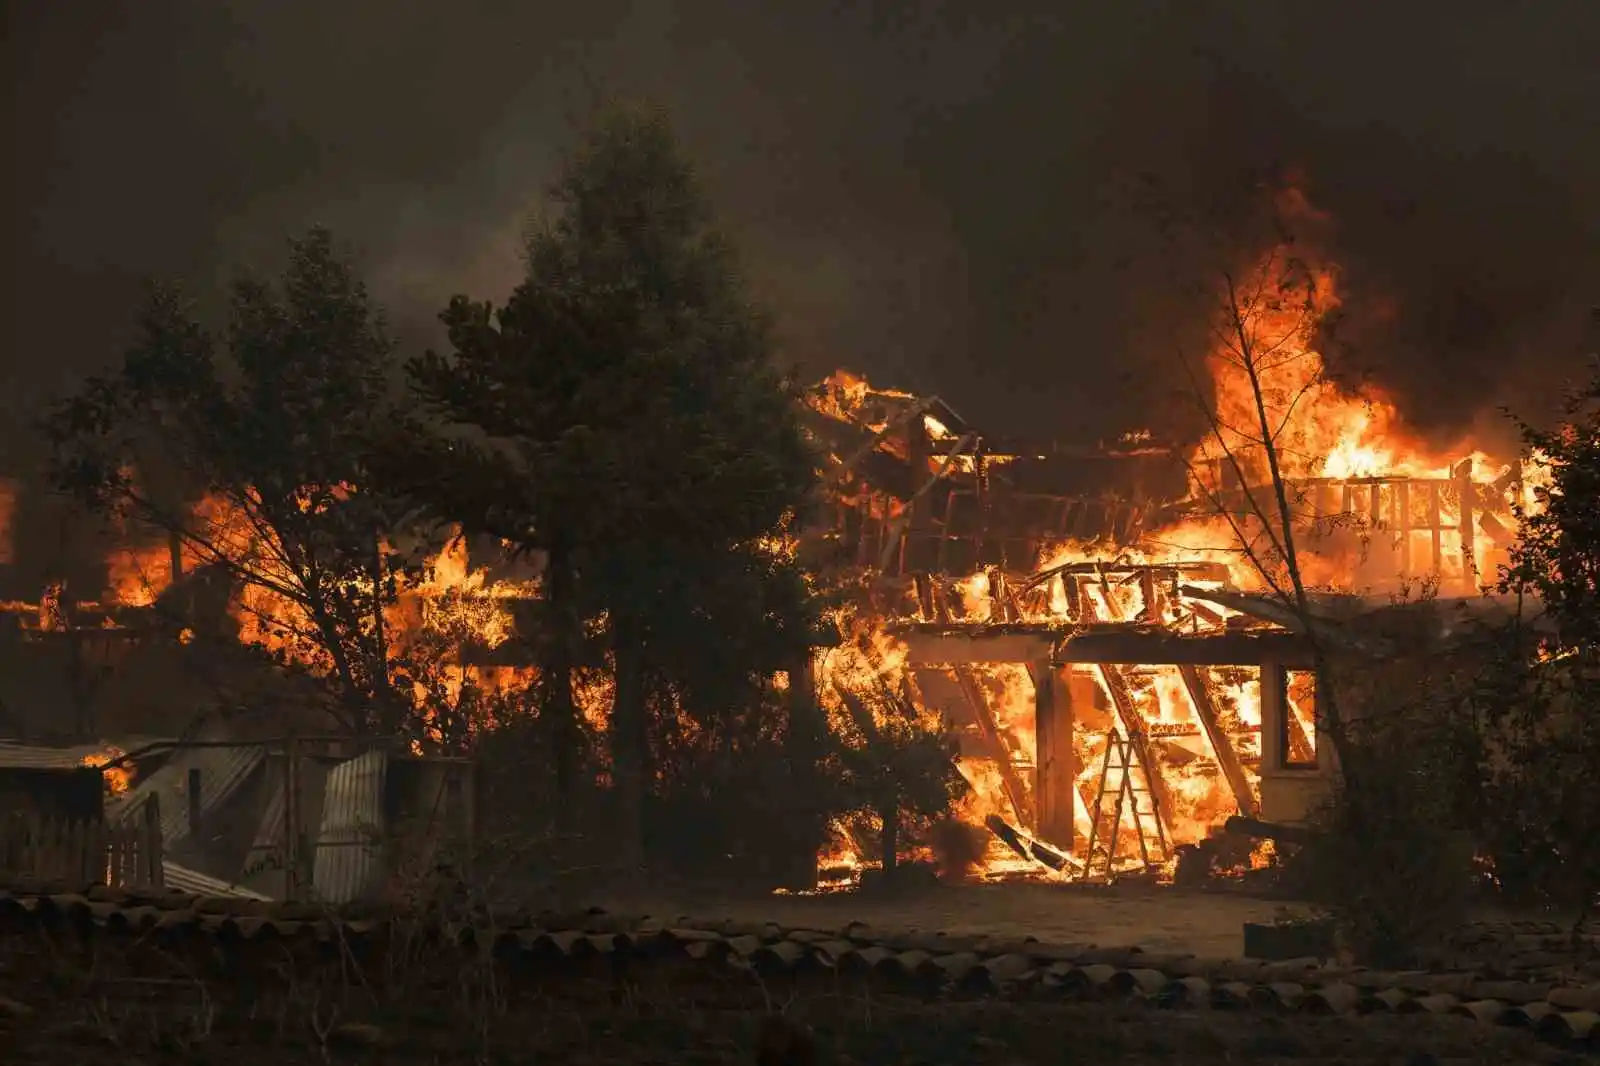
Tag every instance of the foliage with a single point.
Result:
(268, 422)
(1557, 555)
(622, 417)
(706, 759)
(1545, 727)
(1391, 862)
(889, 757)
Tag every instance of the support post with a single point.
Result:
(1469, 554)
(1281, 733)
(192, 785)
(1055, 763)
(291, 820)
(151, 845)
(1274, 706)
(1402, 524)
(802, 742)
(1435, 524)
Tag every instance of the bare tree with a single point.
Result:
(1261, 332)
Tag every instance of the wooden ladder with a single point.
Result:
(1125, 793)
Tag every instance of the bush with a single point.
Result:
(1386, 861)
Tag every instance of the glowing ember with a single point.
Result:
(117, 778)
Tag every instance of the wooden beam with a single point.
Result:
(1016, 791)
(1217, 737)
(1435, 526)
(1281, 733)
(1402, 524)
(1158, 648)
(1469, 554)
(960, 648)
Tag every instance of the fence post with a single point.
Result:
(93, 857)
(193, 786)
(291, 820)
(150, 845)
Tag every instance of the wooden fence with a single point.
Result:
(56, 850)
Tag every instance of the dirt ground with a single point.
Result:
(1157, 919)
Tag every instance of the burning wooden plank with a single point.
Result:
(1221, 744)
(1015, 789)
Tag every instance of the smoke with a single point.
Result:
(929, 191)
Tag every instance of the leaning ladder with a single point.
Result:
(1119, 760)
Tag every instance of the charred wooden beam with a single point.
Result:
(1217, 737)
(1198, 571)
(1016, 790)
(1276, 611)
(914, 521)
(1402, 524)
(1502, 534)
(1259, 830)
(964, 647)
(1161, 647)
(1469, 556)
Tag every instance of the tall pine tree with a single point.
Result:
(622, 415)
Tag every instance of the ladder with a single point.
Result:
(1125, 793)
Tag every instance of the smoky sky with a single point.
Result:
(929, 192)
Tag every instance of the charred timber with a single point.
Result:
(1117, 643)
(1131, 646)
(1256, 829)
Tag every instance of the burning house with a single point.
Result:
(1109, 630)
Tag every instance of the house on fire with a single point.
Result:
(1049, 609)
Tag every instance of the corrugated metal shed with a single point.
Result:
(222, 772)
(194, 883)
(349, 857)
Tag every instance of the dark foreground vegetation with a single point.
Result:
(392, 995)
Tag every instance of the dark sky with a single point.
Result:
(927, 191)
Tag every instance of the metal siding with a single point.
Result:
(349, 850)
(30, 757)
(264, 868)
(222, 772)
(263, 864)
(191, 882)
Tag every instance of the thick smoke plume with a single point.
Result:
(931, 192)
